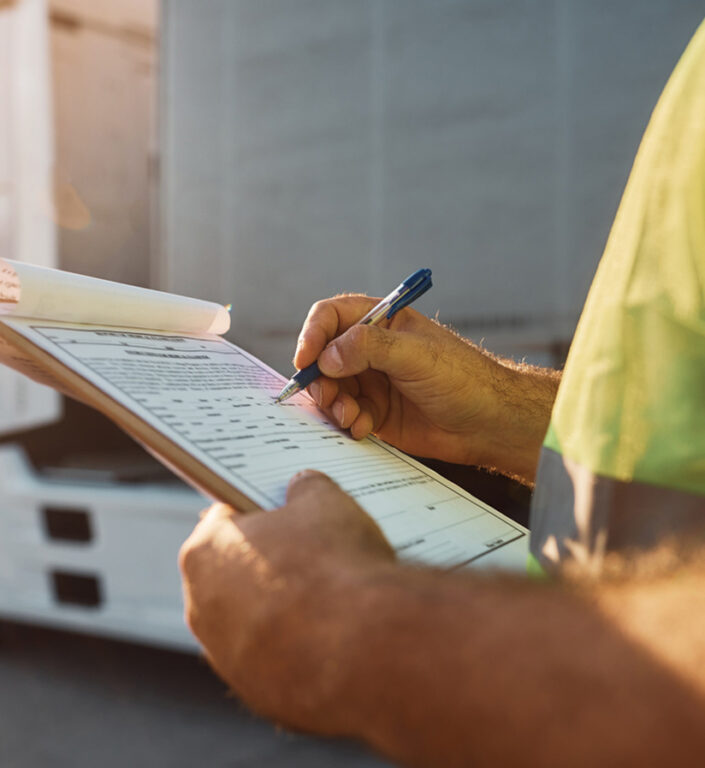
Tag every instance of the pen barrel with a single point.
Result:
(306, 375)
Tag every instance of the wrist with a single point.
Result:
(520, 399)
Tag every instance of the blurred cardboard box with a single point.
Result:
(104, 68)
(26, 157)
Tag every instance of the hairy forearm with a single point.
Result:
(523, 396)
(448, 669)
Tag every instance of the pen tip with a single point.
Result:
(290, 389)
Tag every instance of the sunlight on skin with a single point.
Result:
(666, 618)
(229, 542)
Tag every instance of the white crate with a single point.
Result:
(124, 570)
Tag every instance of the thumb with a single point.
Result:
(310, 483)
(399, 354)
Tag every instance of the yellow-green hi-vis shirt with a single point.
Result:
(623, 462)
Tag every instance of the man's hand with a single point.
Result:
(260, 592)
(307, 616)
(424, 389)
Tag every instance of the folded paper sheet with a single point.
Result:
(27, 290)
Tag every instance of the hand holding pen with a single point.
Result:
(407, 291)
(423, 388)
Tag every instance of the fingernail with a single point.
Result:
(315, 391)
(339, 412)
(331, 359)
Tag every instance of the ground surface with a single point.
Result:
(68, 701)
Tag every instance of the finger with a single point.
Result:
(362, 426)
(218, 513)
(217, 520)
(326, 320)
(217, 510)
(309, 483)
(351, 386)
(345, 410)
(324, 391)
(312, 492)
(210, 520)
(401, 355)
(375, 386)
(367, 420)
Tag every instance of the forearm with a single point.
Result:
(522, 398)
(444, 669)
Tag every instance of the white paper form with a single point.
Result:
(218, 402)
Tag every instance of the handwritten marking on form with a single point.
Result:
(217, 399)
(9, 284)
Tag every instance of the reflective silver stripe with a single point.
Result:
(578, 515)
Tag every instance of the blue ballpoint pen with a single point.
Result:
(400, 297)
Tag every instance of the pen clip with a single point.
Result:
(403, 294)
(410, 290)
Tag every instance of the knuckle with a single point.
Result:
(406, 319)
(186, 557)
(358, 333)
(325, 307)
(366, 336)
(356, 337)
(315, 317)
(193, 617)
(317, 307)
(190, 557)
